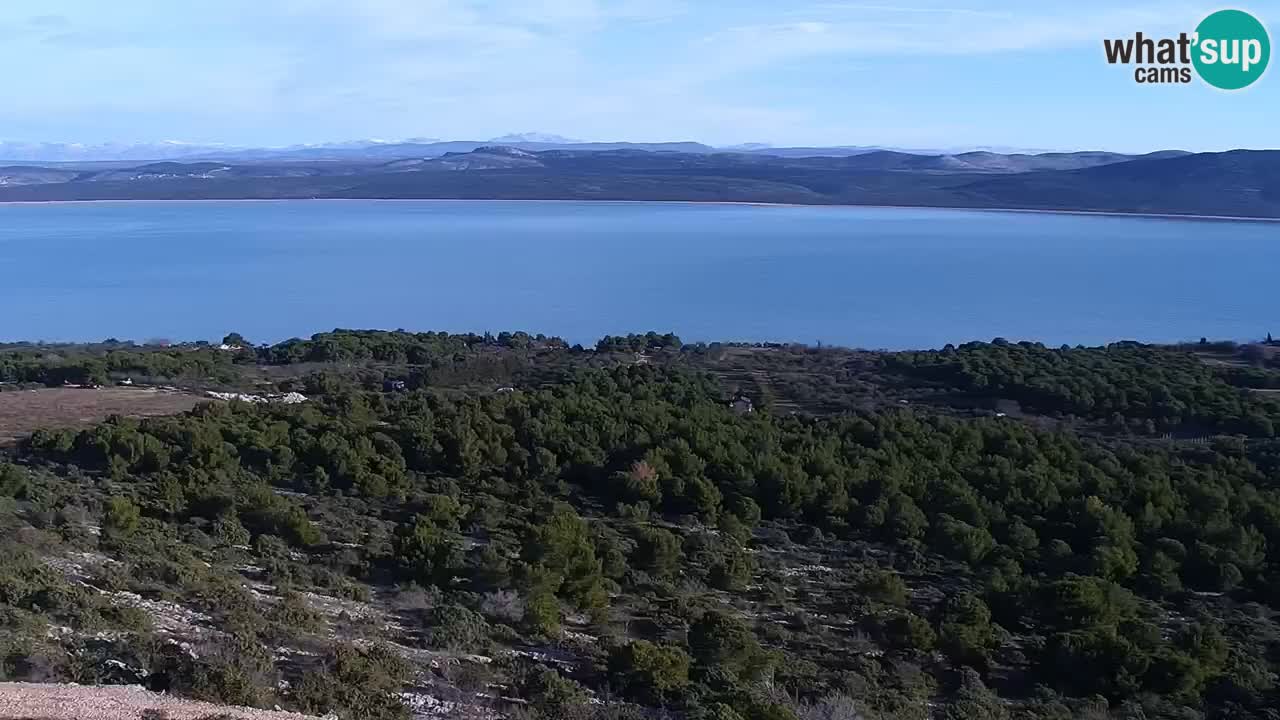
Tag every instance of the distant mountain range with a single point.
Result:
(355, 150)
(1238, 183)
(47, 152)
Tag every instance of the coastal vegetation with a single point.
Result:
(506, 524)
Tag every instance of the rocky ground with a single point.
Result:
(121, 702)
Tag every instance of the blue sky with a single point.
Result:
(922, 73)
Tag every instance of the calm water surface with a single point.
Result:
(869, 277)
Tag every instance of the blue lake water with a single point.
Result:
(867, 277)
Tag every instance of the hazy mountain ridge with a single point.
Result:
(349, 150)
(1237, 183)
(374, 149)
(21, 175)
(14, 151)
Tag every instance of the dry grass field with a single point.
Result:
(23, 411)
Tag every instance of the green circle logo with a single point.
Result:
(1232, 49)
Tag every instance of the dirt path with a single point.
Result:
(80, 702)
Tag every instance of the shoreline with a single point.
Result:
(747, 203)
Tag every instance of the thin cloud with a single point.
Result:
(911, 10)
(49, 22)
(964, 34)
(284, 71)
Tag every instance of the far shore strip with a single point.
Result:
(749, 203)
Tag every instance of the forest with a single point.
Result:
(1122, 382)
(520, 528)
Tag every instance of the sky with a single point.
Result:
(915, 74)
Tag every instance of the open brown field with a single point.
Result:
(23, 411)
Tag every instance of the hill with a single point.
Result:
(1240, 183)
